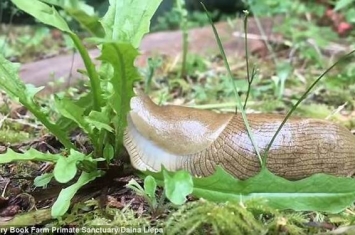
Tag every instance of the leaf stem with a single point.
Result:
(90, 67)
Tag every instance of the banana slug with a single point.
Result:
(199, 140)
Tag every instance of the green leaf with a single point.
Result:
(50, 16)
(72, 4)
(133, 184)
(109, 152)
(99, 120)
(89, 164)
(61, 205)
(70, 110)
(128, 20)
(88, 22)
(43, 12)
(18, 91)
(85, 102)
(91, 72)
(12, 84)
(319, 192)
(121, 57)
(83, 13)
(177, 186)
(43, 180)
(29, 155)
(150, 186)
(66, 167)
(340, 4)
(148, 192)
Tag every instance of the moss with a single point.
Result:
(203, 217)
(251, 217)
(11, 136)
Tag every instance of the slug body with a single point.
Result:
(199, 140)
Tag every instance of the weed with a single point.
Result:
(101, 114)
(148, 192)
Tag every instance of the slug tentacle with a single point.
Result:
(199, 140)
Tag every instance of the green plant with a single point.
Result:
(176, 187)
(153, 64)
(100, 114)
(148, 192)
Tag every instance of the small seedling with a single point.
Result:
(148, 192)
(176, 187)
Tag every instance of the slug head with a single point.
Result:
(176, 129)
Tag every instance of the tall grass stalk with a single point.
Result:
(185, 35)
(238, 99)
(249, 78)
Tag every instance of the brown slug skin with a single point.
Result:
(199, 140)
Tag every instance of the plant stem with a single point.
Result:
(149, 77)
(239, 102)
(250, 79)
(302, 98)
(90, 67)
(249, 87)
(246, 13)
(183, 26)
